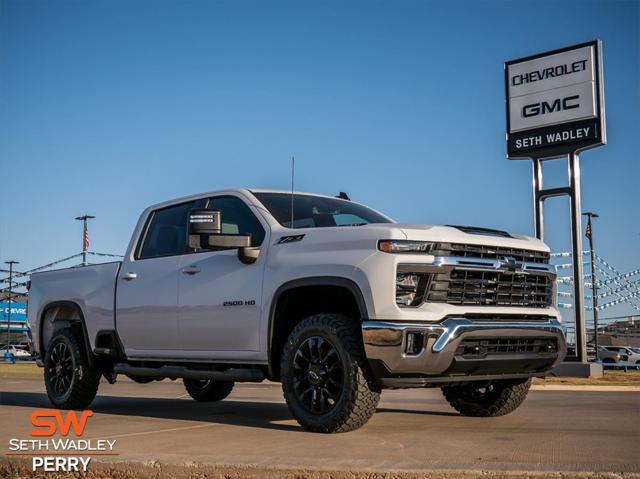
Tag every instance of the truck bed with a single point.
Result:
(92, 288)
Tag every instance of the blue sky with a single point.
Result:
(108, 106)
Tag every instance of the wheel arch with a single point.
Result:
(348, 290)
(68, 311)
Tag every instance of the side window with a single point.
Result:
(167, 232)
(237, 218)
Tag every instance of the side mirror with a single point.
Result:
(248, 255)
(205, 232)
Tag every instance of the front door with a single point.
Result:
(220, 298)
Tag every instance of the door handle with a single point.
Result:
(191, 270)
(129, 276)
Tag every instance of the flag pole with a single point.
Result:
(85, 236)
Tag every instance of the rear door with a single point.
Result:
(220, 298)
(147, 290)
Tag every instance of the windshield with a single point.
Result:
(316, 211)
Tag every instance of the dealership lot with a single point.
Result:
(413, 429)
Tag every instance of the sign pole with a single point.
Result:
(594, 283)
(10, 263)
(578, 267)
(538, 202)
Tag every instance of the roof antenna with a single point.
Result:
(293, 170)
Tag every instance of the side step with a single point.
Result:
(237, 375)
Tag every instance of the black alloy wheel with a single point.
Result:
(326, 379)
(200, 384)
(60, 368)
(317, 374)
(71, 381)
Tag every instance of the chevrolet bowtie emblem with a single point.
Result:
(510, 263)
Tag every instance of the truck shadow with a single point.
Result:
(266, 415)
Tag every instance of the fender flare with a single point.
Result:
(313, 281)
(83, 325)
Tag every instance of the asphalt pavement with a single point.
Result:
(412, 429)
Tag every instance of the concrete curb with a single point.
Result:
(584, 388)
(155, 470)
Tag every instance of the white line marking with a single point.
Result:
(157, 431)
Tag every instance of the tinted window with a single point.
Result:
(237, 218)
(316, 211)
(167, 232)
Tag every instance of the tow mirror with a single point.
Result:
(248, 255)
(205, 232)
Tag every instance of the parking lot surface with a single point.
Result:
(413, 429)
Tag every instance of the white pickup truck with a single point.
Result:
(329, 297)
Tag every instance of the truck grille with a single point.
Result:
(480, 348)
(489, 252)
(491, 288)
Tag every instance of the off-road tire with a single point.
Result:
(84, 380)
(502, 397)
(360, 392)
(208, 391)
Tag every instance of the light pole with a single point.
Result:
(85, 236)
(10, 263)
(594, 288)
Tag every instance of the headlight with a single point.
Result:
(410, 288)
(405, 246)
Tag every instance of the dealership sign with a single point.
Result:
(18, 316)
(555, 102)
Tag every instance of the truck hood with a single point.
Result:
(465, 235)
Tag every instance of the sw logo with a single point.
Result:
(48, 421)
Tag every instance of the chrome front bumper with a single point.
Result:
(385, 345)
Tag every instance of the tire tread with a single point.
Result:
(84, 389)
(366, 392)
(218, 391)
(511, 396)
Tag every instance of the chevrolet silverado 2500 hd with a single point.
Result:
(331, 298)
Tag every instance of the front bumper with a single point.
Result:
(410, 354)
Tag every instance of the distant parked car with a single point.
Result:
(627, 354)
(608, 356)
(17, 352)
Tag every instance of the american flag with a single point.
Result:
(85, 241)
(588, 232)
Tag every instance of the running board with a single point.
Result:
(237, 375)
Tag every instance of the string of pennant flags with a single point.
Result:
(614, 285)
(22, 274)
